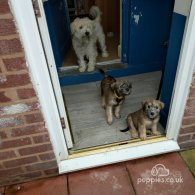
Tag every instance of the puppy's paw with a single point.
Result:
(134, 135)
(82, 68)
(143, 136)
(117, 116)
(90, 68)
(156, 133)
(105, 54)
(109, 121)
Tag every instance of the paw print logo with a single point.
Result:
(159, 170)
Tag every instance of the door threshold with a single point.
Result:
(115, 146)
(116, 154)
(76, 67)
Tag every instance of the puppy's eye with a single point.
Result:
(80, 27)
(157, 107)
(148, 106)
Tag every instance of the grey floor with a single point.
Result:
(87, 118)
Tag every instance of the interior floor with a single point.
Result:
(112, 43)
(87, 117)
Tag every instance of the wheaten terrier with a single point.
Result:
(85, 33)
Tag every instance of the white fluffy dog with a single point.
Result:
(85, 33)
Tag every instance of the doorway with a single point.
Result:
(141, 47)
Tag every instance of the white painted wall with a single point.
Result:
(182, 7)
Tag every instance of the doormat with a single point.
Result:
(189, 157)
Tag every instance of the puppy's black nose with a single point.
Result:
(87, 33)
(152, 113)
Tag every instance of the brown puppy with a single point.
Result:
(145, 118)
(113, 95)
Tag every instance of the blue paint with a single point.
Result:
(59, 28)
(90, 77)
(149, 28)
(175, 41)
(125, 30)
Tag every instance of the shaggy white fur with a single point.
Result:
(85, 34)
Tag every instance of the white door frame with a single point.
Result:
(26, 22)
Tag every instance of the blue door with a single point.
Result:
(59, 28)
(145, 32)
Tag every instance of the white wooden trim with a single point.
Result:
(183, 78)
(114, 156)
(37, 63)
(53, 71)
(29, 34)
(182, 7)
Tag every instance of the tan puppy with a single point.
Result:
(145, 118)
(113, 95)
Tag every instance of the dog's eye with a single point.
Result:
(148, 106)
(157, 107)
(80, 27)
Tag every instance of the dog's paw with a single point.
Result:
(105, 54)
(156, 133)
(118, 116)
(82, 69)
(91, 68)
(134, 135)
(109, 121)
(143, 136)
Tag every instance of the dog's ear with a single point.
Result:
(144, 103)
(161, 104)
(73, 25)
(113, 85)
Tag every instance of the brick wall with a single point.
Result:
(186, 137)
(25, 149)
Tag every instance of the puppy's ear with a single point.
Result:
(144, 104)
(161, 104)
(113, 85)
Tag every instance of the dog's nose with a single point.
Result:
(152, 113)
(87, 33)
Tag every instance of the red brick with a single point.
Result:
(189, 112)
(10, 46)
(50, 186)
(3, 97)
(187, 145)
(191, 103)
(14, 64)
(3, 135)
(41, 138)
(18, 108)
(19, 162)
(7, 155)
(54, 171)
(26, 93)
(188, 121)
(10, 172)
(33, 129)
(177, 178)
(34, 118)
(192, 92)
(7, 27)
(35, 149)
(16, 143)
(47, 156)
(183, 138)
(31, 175)
(41, 166)
(11, 122)
(14, 80)
(187, 129)
(4, 7)
(108, 180)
